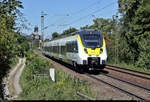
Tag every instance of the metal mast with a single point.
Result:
(42, 25)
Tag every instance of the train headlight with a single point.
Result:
(101, 50)
(85, 50)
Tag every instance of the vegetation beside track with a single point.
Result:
(43, 88)
(131, 66)
(14, 61)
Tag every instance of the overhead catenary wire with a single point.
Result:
(86, 8)
(74, 13)
(81, 18)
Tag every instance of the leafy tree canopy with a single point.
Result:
(55, 35)
(136, 24)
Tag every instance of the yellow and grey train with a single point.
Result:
(83, 49)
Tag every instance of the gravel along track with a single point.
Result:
(139, 93)
(104, 92)
(138, 78)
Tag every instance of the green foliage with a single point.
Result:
(14, 61)
(6, 42)
(34, 44)
(68, 31)
(65, 32)
(55, 35)
(9, 39)
(136, 22)
(104, 25)
(10, 9)
(44, 88)
(22, 44)
(11, 42)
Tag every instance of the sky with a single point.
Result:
(63, 14)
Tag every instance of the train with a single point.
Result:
(84, 49)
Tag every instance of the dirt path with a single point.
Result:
(17, 77)
(12, 87)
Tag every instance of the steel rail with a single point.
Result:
(128, 73)
(128, 69)
(130, 83)
(122, 90)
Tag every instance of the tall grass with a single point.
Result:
(43, 88)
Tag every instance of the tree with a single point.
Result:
(136, 24)
(55, 35)
(8, 14)
(68, 31)
(21, 44)
(10, 9)
(85, 27)
(9, 42)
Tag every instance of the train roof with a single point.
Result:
(74, 33)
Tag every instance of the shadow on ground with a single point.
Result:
(4, 67)
(95, 72)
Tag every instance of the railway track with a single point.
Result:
(130, 88)
(133, 84)
(138, 78)
(129, 71)
(130, 93)
(141, 75)
(118, 88)
(145, 91)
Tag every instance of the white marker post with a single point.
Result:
(52, 73)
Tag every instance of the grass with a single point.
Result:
(43, 88)
(111, 98)
(14, 61)
(131, 66)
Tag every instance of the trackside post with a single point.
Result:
(52, 74)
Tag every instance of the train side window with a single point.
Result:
(62, 49)
(76, 46)
(68, 46)
(52, 48)
(49, 48)
(73, 47)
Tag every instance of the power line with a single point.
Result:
(92, 13)
(81, 18)
(90, 6)
(77, 12)
(83, 9)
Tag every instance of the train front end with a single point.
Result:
(92, 49)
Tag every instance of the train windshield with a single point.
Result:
(93, 40)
